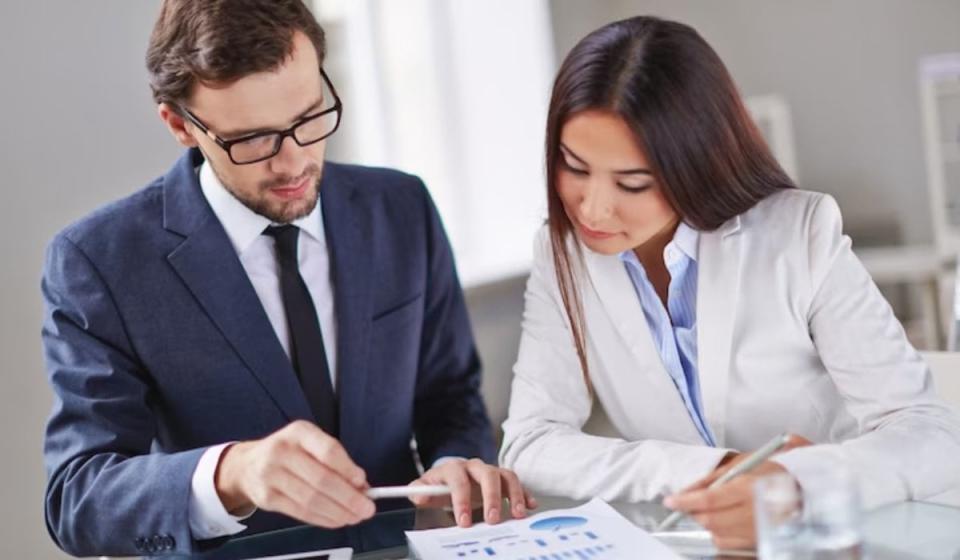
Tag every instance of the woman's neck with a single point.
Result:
(650, 253)
(651, 257)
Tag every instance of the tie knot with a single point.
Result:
(286, 237)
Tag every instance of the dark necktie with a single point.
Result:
(306, 340)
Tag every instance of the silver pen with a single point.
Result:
(752, 460)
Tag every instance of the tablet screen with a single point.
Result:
(329, 554)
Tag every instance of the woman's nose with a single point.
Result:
(596, 204)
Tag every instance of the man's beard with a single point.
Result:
(282, 212)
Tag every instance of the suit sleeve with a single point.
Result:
(909, 443)
(450, 418)
(106, 494)
(550, 403)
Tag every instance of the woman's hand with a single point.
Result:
(727, 511)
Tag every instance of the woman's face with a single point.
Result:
(606, 185)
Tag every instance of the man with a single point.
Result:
(257, 336)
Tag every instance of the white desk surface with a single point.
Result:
(907, 530)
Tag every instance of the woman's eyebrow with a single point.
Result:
(634, 171)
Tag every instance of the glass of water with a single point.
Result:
(819, 522)
(831, 515)
(778, 514)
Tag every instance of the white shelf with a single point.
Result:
(906, 263)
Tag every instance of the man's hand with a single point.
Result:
(298, 471)
(727, 511)
(469, 479)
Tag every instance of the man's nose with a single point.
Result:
(290, 160)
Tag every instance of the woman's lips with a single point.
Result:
(593, 234)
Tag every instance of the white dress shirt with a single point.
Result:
(208, 517)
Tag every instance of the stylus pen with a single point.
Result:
(752, 460)
(407, 491)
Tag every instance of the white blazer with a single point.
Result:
(793, 336)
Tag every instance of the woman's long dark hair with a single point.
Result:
(677, 97)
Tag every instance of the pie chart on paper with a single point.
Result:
(558, 523)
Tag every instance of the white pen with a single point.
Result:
(407, 491)
(752, 460)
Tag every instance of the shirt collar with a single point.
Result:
(243, 225)
(685, 239)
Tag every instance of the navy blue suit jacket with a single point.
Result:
(157, 347)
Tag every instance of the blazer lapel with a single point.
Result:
(717, 295)
(619, 299)
(208, 264)
(348, 224)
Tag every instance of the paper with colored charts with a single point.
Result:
(593, 531)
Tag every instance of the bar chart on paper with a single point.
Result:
(594, 531)
(559, 538)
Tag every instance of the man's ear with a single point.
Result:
(176, 124)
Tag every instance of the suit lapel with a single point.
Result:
(717, 296)
(348, 224)
(620, 302)
(208, 265)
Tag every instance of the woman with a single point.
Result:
(687, 287)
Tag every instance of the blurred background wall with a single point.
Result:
(79, 129)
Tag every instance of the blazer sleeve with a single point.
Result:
(450, 418)
(106, 494)
(550, 402)
(909, 442)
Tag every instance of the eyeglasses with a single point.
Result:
(259, 146)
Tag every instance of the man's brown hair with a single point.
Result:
(221, 41)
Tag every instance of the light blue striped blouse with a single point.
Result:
(676, 340)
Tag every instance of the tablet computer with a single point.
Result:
(330, 554)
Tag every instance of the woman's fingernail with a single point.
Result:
(493, 515)
(521, 511)
(669, 502)
(464, 519)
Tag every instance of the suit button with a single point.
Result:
(169, 542)
(139, 543)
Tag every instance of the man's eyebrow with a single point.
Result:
(313, 107)
(239, 133)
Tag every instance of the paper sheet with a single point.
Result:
(592, 531)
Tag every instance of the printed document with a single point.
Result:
(592, 531)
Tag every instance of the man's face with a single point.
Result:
(282, 188)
